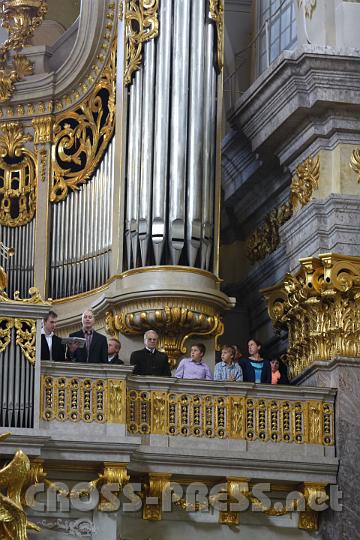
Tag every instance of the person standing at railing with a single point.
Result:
(51, 346)
(194, 367)
(150, 361)
(114, 347)
(255, 368)
(227, 369)
(278, 372)
(95, 350)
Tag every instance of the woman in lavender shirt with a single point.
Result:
(194, 367)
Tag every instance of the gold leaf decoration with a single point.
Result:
(17, 176)
(26, 337)
(141, 24)
(305, 181)
(6, 324)
(320, 308)
(81, 136)
(216, 11)
(266, 238)
(355, 163)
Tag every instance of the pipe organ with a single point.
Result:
(171, 140)
(19, 267)
(81, 234)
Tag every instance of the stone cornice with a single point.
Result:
(307, 81)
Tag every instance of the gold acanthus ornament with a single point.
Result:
(266, 238)
(141, 25)
(355, 162)
(320, 308)
(82, 135)
(175, 320)
(25, 336)
(216, 12)
(13, 477)
(18, 173)
(20, 18)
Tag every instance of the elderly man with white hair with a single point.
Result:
(150, 361)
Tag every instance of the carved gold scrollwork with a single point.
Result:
(13, 477)
(17, 176)
(20, 18)
(314, 495)
(81, 136)
(6, 324)
(320, 307)
(141, 24)
(355, 162)
(176, 321)
(305, 181)
(216, 11)
(266, 238)
(26, 337)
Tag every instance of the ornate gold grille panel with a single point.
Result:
(182, 414)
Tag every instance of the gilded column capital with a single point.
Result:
(320, 307)
(314, 495)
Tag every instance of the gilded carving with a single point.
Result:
(35, 297)
(320, 307)
(43, 129)
(158, 483)
(175, 320)
(305, 181)
(6, 325)
(117, 401)
(82, 135)
(236, 488)
(355, 162)
(233, 417)
(216, 11)
(13, 477)
(5, 252)
(26, 338)
(314, 494)
(20, 18)
(17, 176)
(266, 238)
(141, 25)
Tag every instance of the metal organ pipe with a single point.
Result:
(170, 208)
(81, 244)
(19, 267)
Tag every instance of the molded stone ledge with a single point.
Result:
(307, 81)
(322, 226)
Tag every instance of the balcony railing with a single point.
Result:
(170, 407)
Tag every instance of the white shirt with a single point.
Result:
(48, 338)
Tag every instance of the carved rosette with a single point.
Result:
(320, 308)
(141, 25)
(175, 320)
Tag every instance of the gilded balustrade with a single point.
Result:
(206, 411)
(320, 307)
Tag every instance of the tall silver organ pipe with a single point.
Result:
(171, 134)
(81, 234)
(16, 388)
(19, 267)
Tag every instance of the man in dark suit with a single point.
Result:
(114, 347)
(51, 346)
(95, 350)
(150, 361)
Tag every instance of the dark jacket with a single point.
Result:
(115, 360)
(147, 363)
(249, 371)
(98, 353)
(57, 349)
